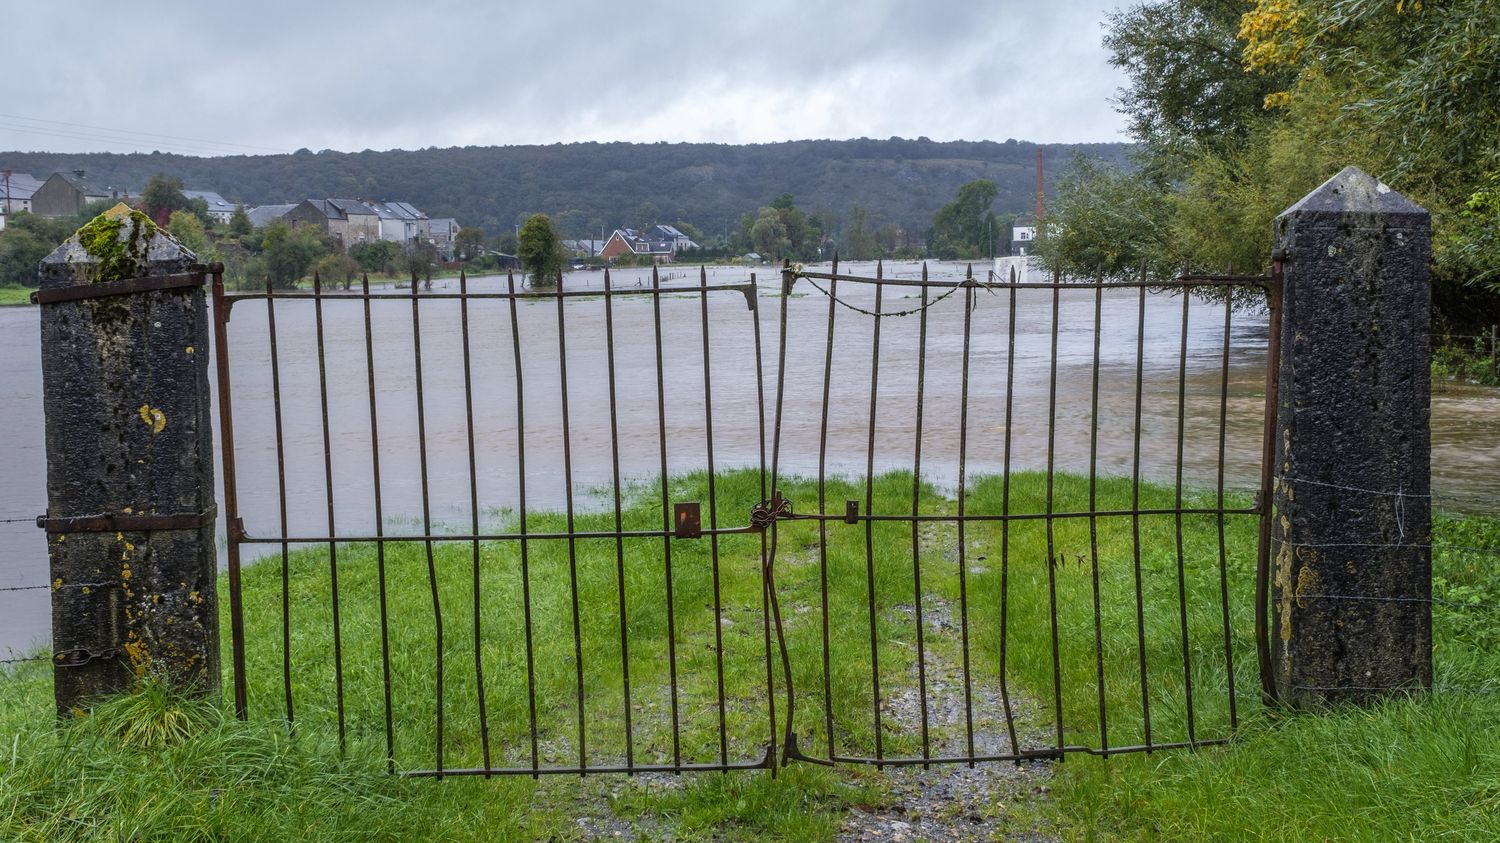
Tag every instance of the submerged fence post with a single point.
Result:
(1352, 566)
(130, 471)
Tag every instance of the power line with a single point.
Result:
(119, 131)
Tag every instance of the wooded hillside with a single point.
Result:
(902, 182)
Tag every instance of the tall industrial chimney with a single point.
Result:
(1039, 208)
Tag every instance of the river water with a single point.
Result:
(1466, 422)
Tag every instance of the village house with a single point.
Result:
(66, 194)
(628, 241)
(219, 209)
(670, 234)
(349, 221)
(443, 233)
(16, 190)
(399, 222)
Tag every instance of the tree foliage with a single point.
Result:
(540, 251)
(1241, 108)
(965, 227)
(1107, 222)
(287, 252)
(162, 196)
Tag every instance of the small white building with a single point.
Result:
(219, 208)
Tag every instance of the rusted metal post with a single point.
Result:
(130, 472)
(1352, 566)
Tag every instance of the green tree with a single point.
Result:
(964, 228)
(188, 230)
(769, 236)
(377, 256)
(1107, 222)
(287, 252)
(859, 242)
(540, 251)
(338, 269)
(163, 195)
(470, 243)
(239, 221)
(421, 259)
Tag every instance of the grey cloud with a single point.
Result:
(349, 75)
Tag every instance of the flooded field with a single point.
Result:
(1466, 423)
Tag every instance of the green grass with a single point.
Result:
(12, 296)
(1414, 768)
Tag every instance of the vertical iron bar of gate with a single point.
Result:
(916, 509)
(1094, 519)
(614, 457)
(765, 585)
(432, 581)
(463, 318)
(833, 289)
(515, 339)
(385, 638)
(963, 542)
(286, 582)
(666, 514)
(333, 555)
(713, 516)
(1051, 543)
(869, 522)
(1010, 396)
(1223, 552)
(567, 443)
(231, 498)
(1187, 662)
(1135, 508)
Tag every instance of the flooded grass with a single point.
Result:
(1400, 769)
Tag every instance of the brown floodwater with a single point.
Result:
(1466, 421)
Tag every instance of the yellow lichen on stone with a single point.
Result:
(135, 652)
(1307, 583)
(154, 418)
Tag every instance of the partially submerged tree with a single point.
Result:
(540, 251)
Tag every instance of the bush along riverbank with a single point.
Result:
(155, 766)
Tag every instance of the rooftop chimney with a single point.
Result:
(78, 173)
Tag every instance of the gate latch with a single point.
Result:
(687, 520)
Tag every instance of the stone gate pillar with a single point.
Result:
(130, 472)
(1351, 563)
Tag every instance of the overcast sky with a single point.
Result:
(216, 78)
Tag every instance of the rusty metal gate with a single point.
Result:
(862, 531)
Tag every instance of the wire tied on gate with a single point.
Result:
(767, 512)
(797, 271)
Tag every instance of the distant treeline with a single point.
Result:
(588, 187)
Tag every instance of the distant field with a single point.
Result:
(10, 296)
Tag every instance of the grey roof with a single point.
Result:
(262, 214)
(407, 209)
(214, 200)
(442, 225)
(351, 207)
(21, 186)
(75, 181)
(395, 211)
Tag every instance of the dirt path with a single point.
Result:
(954, 802)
